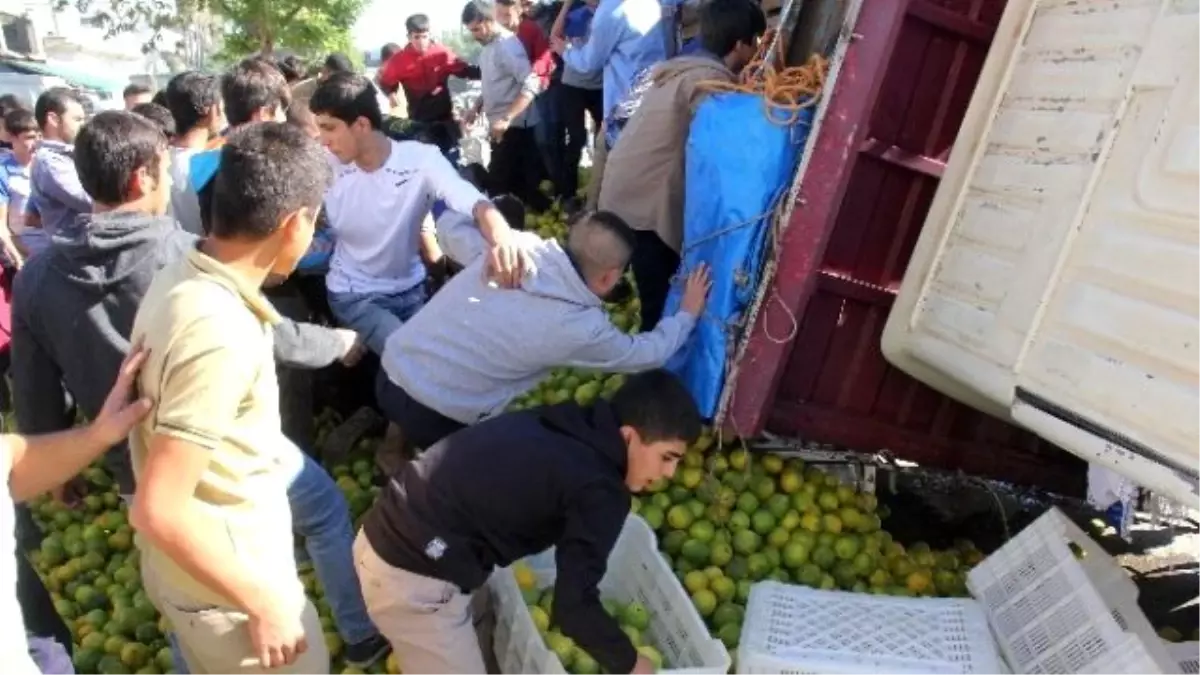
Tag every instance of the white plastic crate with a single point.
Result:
(1054, 612)
(1186, 655)
(793, 630)
(636, 572)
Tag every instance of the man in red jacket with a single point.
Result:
(422, 68)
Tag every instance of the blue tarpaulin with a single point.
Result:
(739, 163)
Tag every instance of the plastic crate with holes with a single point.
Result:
(1049, 601)
(1057, 603)
(793, 630)
(1186, 655)
(636, 572)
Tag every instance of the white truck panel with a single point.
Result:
(1055, 281)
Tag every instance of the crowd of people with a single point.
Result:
(176, 262)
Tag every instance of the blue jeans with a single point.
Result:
(375, 316)
(320, 515)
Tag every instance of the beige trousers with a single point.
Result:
(431, 624)
(217, 639)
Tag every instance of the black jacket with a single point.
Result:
(510, 487)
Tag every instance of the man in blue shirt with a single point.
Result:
(581, 94)
(626, 37)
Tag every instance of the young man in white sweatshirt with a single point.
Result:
(377, 209)
(476, 346)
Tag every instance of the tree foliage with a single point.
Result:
(461, 43)
(306, 27)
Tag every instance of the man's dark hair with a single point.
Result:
(292, 67)
(475, 174)
(726, 23)
(19, 121)
(135, 89)
(388, 51)
(417, 23)
(512, 209)
(110, 148)
(161, 117)
(190, 97)
(338, 63)
(160, 98)
(657, 405)
(268, 171)
(476, 10)
(10, 102)
(347, 97)
(54, 100)
(253, 84)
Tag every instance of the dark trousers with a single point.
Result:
(550, 133)
(517, 168)
(574, 104)
(654, 264)
(420, 425)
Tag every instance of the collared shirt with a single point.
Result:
(626, 36)
(507, 73)
(56, 191)
(14, 190)
(211, 377)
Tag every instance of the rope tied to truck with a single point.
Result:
(785, 90)
(787, 96)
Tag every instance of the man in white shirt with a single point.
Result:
(31, 465)
(378, 207)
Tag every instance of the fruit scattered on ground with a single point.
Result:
(89, 563)
(754, 517)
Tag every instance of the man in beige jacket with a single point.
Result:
(651, 146)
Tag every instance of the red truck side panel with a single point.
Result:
(894, 112)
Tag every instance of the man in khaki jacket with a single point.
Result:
(651, 146)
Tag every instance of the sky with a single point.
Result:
(383, 20)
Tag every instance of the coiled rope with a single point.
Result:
(785, 90)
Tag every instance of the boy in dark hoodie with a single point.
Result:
(97, 272)
(507, 488)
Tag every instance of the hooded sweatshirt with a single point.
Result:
(653, 143)
(73, 310)
(511, 487)
(474, 347)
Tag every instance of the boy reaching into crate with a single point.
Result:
(510, 487)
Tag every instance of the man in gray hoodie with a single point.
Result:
(474, 347)
(73, 310)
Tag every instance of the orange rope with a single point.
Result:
(786, 91)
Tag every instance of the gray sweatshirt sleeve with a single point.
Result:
(608, 349)
(306, 345)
